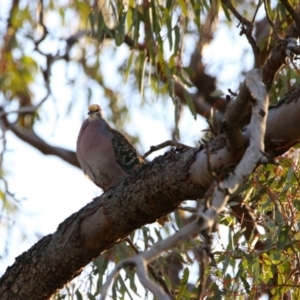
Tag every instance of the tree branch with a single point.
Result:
(247, 28)
(140, 261)
(31, 138)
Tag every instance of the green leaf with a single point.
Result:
(136, 18)
(101, 27)
(297, 204)
(119, 35)
(183, 7)
(197, 13)
(78, 295)
(169, 4)
(189, 101)
(114, 11)
(245, 282)
(225, 264)
(226, 12)
(141, 71)
(242, 188)
(120, 29)
(283, 238)
(92, 22)
(184, 80)
(169, 75)
(217, 93)
(155, 21)
(183, 283)
(129, 19)
(177, 39)
(227, 220)
(91, 296)
(128, 67)
(256, 268)
(101, 264)
(123, 287)
(168, 20)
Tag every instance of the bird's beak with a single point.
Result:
(90, 112)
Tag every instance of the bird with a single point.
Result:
(105, 155)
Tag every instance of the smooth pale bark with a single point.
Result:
(155, 190)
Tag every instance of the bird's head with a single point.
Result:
(95, 111)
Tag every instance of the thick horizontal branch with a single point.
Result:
(158, 187)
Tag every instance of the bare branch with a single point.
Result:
(207, 220)
(247, 28)
(151, 270)
(270, 21)
(28, 109)
(166, 144)
(34, 140)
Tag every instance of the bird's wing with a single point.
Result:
(126, 155)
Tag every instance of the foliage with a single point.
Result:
(242, 270)
(156, 39)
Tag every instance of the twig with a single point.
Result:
(232, 93)
(28, 109)
(41, 22)
(202, 277)
(256, 10)
(270, 21)
(211, 129)
(205, 221)
(247, 28)
(158, 278)
(178, 146)
(188, 209)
